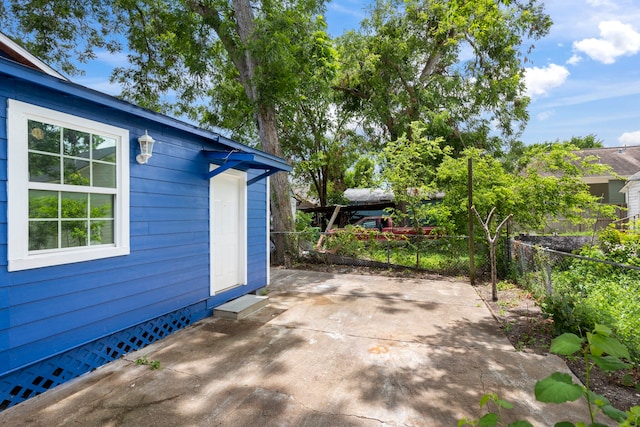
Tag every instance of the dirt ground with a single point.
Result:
(527, 329)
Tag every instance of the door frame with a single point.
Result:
(240, 180)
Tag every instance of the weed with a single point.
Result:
(504, 285)
(153, 364)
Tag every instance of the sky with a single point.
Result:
(583, 78)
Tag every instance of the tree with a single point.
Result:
(362, 174)
(549, 185)
(407, 169)
(180, 53)
(454, 65)
(316, 134)
(492, 239)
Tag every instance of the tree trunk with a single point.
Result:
(492, 247)
(265, 116)
(280, 189)
(494, 272)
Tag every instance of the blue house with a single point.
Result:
(106, 247)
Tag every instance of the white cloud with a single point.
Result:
(616, 39)
(574, 60)
(600, 3)
(101, 85)
(540, 80)
(118, 59)
(354, 9)
(544, 115)
(630, 138)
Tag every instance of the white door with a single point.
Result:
(228, 230)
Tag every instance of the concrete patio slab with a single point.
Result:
(329, 350)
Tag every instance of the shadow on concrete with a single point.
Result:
(329, 350)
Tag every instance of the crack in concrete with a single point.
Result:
(340, 414)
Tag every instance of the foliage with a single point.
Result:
(349, 241)
(409, 172)
(306, 234)
(444, 255)
(409, 63)
(600, 348)
(547, 185)
(152, 364)
(491, 419)
(588, 292)
(362, 174)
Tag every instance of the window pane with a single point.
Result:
(74, 205)
(43, 235)
(101, 205)
(44, 168)
(76, 143)
(104, 175)
(43, 204)
(104, 148)
(74, 233)
(76, 172)
(44, 137)
(102, 232)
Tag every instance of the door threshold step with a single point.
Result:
(240, 308)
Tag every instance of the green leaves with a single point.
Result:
(407, 64)
(557, 388)
(566, 344)
(600, 344)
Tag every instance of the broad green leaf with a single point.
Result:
(610, 363)
(602, 330)
(504, 404)
(557, 388)
(593, 349)
(566, 344)
(489, 397)
(488, 420)
(613, 413)
(564, 424)
(599, 400)
(521, 424)
(608, 345)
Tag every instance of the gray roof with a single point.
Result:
(625, 161)
(368, 195)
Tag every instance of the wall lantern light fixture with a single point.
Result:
(146, 148)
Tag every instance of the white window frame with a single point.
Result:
(18, 185)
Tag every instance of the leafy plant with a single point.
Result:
(153, 364)
(599, 348)
(492, 419)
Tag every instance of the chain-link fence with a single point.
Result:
(438, 254)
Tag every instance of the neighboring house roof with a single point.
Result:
(367, 195)
(13, 51)
(625, 161)
(377, 195)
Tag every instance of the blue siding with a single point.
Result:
(256, 233)
(51, 310)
